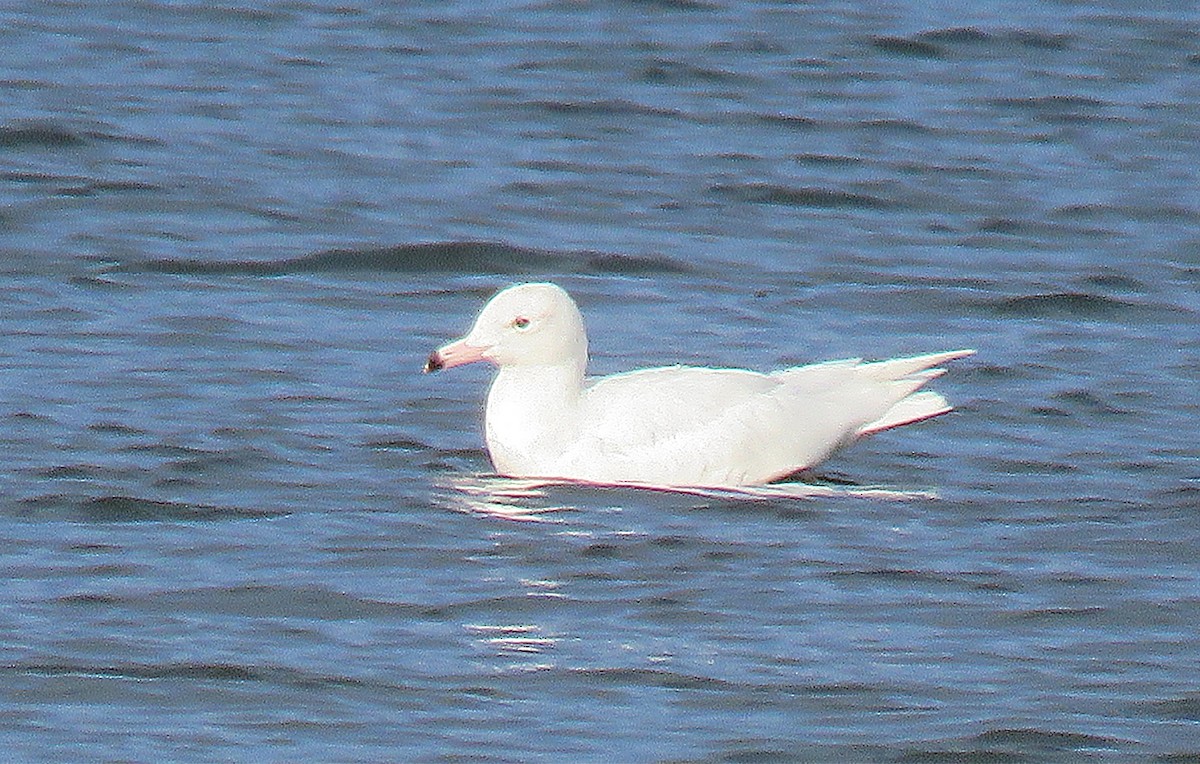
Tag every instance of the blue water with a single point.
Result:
(236, 522)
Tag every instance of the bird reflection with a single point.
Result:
(529, 500)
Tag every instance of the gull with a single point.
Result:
(671, 425)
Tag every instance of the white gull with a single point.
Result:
(675, 425)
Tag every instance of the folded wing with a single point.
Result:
(695, 426)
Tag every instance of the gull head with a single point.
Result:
(523, 325)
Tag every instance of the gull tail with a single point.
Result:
(909, 374)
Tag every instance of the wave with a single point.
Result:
(907, 46)
(806, 196)
(1164, 211)
(429, 257)
(131, 509)
(211, 672)
(43, 135)
(35, 134)
(1058, 109)
(612, 107)
(257, 600)
(1061, 305)
(1015, 744)
(1185, 708)
(663, 71)
(941, 43)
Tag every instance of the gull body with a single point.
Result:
(673, 425)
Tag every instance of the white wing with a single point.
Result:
(696, 426)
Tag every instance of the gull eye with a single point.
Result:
(520, 322)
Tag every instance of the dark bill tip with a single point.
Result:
(434, 362)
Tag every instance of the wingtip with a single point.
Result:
(917, 407)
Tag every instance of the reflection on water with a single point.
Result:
(504, 498)
(534, 500)
(522, 639)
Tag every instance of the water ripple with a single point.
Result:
(443, 257)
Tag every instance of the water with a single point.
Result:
(238, 524)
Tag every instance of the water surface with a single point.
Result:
(238, 524)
